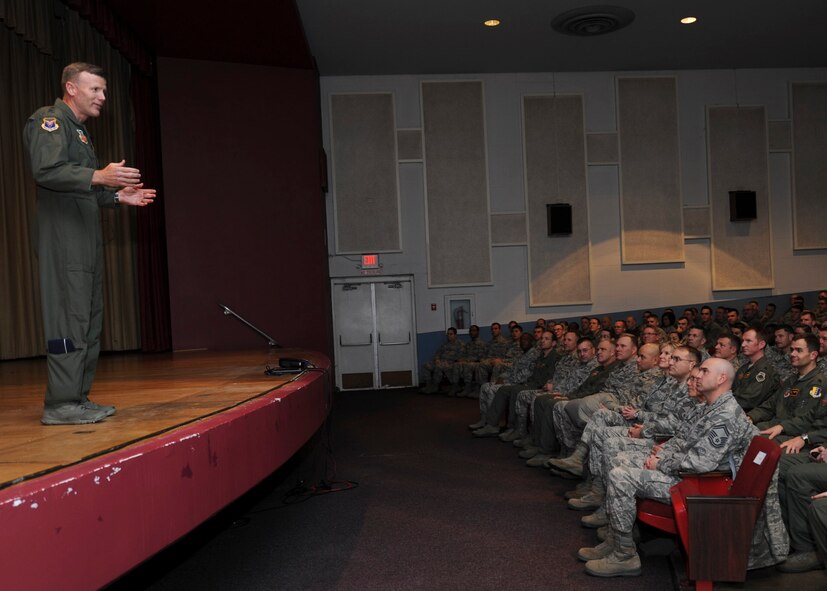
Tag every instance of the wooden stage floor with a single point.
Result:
(153, 394)
(192, 433)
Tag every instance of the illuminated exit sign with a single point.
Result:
(370, 261)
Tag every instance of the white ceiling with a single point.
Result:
(378, 37)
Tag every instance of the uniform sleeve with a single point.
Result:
(814, 418)
(105, 198)
(711, 450)
(766, 410)
(49, 158)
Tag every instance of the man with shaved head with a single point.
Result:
(720, 433)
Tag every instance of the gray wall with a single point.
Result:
(614, 286)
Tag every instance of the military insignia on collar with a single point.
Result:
(718, 435)
(50, 124)
(760, 376)
(815, 392)
(82, 136)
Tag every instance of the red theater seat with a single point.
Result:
(715, 515)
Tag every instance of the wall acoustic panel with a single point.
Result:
(650, 184)
(555, 172)
(508, 229)
(366, 194)
(737, 148)
(456, 184)
(809, 111)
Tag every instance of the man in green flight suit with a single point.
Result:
(70, 190)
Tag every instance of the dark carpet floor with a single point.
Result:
(434, 509)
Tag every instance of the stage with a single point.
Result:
(82, 504)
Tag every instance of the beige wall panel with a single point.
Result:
(602, 148)
(809, 110)
(366, 194)
(738, 160)
(409, 142)
(508, 229)
(456, 183)
(555, 172)
(780, 136)
(650, 194)
(696, 222)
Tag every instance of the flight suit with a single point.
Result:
(69, 248)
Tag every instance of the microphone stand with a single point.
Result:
(270, 340)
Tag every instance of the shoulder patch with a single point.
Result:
(815, 392)
(760, 376)
(718, 435)
(49, 124)
(82, 136)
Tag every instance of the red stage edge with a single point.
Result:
(84, 526)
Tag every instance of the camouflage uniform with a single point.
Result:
(542, 372)
(721, 433)
(780, 361)
(754, 383)
(519, 374)
(513, 353)
(497, 349)
(676, 414)
(712, 330)
(523, 401)
(571, 418)
(475, 351)
(672, 415)
(544, 435)
(821, 366)
(445, 363)
(651, 402)
(800, 408)
(738, 362)
(623, 388)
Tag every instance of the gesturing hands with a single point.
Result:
(136, 195)
(116, 174)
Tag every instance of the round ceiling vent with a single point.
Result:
(589, 21)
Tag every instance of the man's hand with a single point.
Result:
(792, 446)
(548, 386)
(628, 412)
(635, 430)
(558, 396)
(651, 463)
(821, 495)
(772, 432)
(136, 195)
(115, 174)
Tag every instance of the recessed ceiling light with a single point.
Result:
(492, 22)
(688, 20)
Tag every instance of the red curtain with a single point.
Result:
(153, 278)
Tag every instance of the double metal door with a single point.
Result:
(374, 327)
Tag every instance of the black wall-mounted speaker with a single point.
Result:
(742, 206)
(558, 216)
